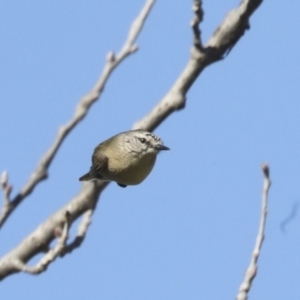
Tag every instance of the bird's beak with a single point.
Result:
(161, 147)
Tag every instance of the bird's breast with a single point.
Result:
(130, 170)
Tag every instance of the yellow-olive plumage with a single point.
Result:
(126, 158)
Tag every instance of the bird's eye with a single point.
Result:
(142, 140)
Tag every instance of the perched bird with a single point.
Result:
(126, 158)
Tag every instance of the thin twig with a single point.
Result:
(252, 269)
(81, 233)
(198, 18)
(6, 188)
(41, 171)
(51, 254)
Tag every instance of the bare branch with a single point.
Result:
(39, 241)
(222, 41)
(41, 171)
(6, 188)
(252, 269)
(51, 254)
(231, 29)
(82, 230)
(198, 18)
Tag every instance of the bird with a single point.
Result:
(126, 158)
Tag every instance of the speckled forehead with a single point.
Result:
(152, 135)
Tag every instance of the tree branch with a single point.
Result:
(252, 269)
(222, 41)
(41, 171)
(6, 188)
(198, 18)
(39, 240)
(81, 232)
(51, 254)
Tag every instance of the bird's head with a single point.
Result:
(145, 142)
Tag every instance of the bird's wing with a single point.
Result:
(99, 161)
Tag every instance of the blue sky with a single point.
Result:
(187, 232)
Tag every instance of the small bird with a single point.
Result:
(126, 158)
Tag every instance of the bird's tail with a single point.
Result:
(86, 177)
